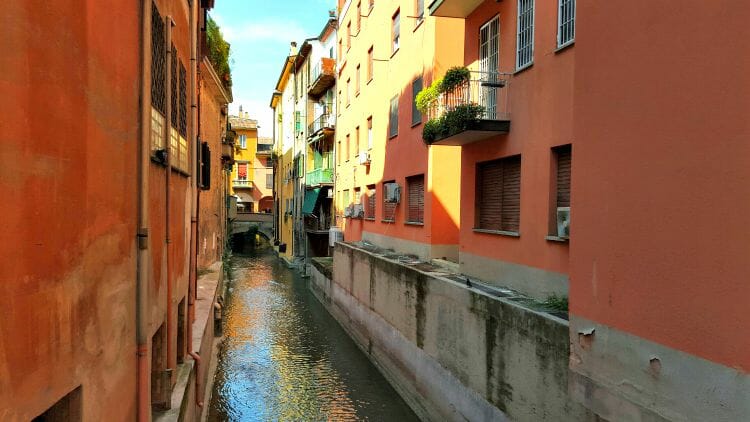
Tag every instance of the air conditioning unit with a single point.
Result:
(348, 211)
(364, 158)
(392, 193)
(358, 211)
(563, 222)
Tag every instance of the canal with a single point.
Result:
(284, 358)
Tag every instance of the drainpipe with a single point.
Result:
(193, 133)
(171, 62)
(142, 258)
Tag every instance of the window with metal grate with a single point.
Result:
(525, 34)
(566, 22)
(564, 160)
(498, 195)
(389, 208)
(415, 211)
(371, 201)
(158, 61)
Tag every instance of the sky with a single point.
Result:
(259, 32)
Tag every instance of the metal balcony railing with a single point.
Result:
(242, 183)
(319, 176)
(490, 90)
(324, 121)
(264, 148)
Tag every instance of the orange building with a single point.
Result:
(98, 279)
(387, 51)
(593, 109)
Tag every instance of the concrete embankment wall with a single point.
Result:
(453, 352)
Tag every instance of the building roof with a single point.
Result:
(243, 122)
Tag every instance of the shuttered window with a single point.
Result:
(499, 195)
(415, 211)
(393, 118)
(416, 115)
(371, 201)
(563, 155)
(158, 80)
(389, 208)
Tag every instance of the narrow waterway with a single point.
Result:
(285, 358)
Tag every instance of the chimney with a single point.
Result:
(293, 49)
(240, 113)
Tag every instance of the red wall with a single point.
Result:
(661, 170)
(541, 104)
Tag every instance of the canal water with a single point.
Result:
(284, 358)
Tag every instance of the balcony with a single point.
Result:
(474, 110)
(319, 177)
(324, 123)
(242, 184)
(453, 8)
(264, 149)
(323, 77)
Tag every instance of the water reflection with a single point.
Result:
(284, 357)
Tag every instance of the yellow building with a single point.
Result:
(387, 52)
(252, 174)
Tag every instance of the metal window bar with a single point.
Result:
(525, 42)
(566, 22)
(482, 88)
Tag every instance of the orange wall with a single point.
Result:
(69, 156)
(661, 172)
(541, 101)
(69, 151)
(406, 154)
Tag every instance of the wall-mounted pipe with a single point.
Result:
(142, 259)
(171, 62)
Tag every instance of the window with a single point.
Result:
(420, 11)
(348, 36)
(359, 16)
(297, 123)
(269, 181)
(357, 196)
(269, 162)
(396, 31)
(389, 208)
(416, 115)
(498, 195)
(525, 41)
(563, 161)
(371, 201)
(339, 152)
(566, 22)
(489, 49)
(356, 82)
(243, 141)
(369, 132)
(158, 79)
(341, 49)
(356, 139)
(348, 150)
(369, 64)
(348, 90)
(393, 118)
(241, 171)
(346, 198)
(415, 186)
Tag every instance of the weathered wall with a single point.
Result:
(68, 137)
(212, 209)
(453, 352)
(660, 254)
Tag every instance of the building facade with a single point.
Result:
(558, 83)
(252, 173)
(387, 53)
(105, 272)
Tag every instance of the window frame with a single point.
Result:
(529, 55)
(414, 110)
(498, 227)
(370, 64)
(387, 205)
(560, 24)
(372, 201)
(395, 31)
(393, 118)
(420, 201)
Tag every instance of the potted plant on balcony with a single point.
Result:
(454, 118)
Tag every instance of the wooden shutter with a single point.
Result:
(415, 212)
(499, 194)
(563, 175)
(371, 198)
(511, 207)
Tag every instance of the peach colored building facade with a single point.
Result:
(387, 51)
(605, 122)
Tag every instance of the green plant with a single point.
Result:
(218, 52)
(431, 130)
(454, 77)
(451, 122)
(556, 303)
(428, 95)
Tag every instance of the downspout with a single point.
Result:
(168, 139)
(193, 134)
(142, 258)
